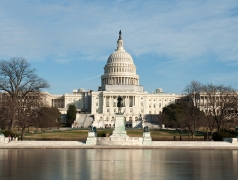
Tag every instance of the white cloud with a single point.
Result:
(179, 30)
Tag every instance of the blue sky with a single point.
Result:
(172, 42)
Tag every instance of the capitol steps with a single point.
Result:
(88, 121)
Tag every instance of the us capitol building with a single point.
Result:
(119, 79)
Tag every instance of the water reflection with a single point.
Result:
(118, 164)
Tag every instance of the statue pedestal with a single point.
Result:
(146, 139)
(2, 137)
(231, 140)
(119, 130)
(91, 139)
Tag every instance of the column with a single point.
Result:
(93, 101)
(126, 101)
(109, 102)
(104, 101)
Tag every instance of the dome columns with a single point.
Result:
(120, 80)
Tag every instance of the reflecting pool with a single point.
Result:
(57, 164)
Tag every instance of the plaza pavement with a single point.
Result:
(81, 145)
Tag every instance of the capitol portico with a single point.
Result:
(119, 78)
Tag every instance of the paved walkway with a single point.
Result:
(80, 145)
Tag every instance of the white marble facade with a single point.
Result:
(119, 78)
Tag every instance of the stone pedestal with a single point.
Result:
(91, 139)
(2, 137)
(119, 131)
(231, 140)
(146, 139)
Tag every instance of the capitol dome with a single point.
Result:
(120, 68)
(120, 56)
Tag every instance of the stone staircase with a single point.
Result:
(88, 120)
(83, 120)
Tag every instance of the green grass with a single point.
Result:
(81, 135)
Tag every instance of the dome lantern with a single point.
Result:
(120, 43)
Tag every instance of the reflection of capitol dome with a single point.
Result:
(120, 68)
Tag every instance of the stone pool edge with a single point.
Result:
(80, 145)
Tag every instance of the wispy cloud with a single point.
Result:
(88, 79)
(182, 35)
(176, 29)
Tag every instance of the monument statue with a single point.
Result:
(95, 130)
(120, 35)
(146, 129)
(119, 130)
(119, 103)
(91, 128)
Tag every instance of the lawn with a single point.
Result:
(81, 135)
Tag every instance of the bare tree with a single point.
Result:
(193, 112)
(221, 104)
(193, 92)
(5, 110)
(18, 79)
(28, 108)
